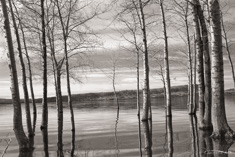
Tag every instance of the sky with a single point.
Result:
(97, 78)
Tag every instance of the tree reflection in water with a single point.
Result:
(205, 146)
(26, 153)
(45, 141)
(147, 137)
(194, 135)
(116, 134)
(169, 135)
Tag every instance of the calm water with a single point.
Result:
(99, 133)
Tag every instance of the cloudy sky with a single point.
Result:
(97, 78)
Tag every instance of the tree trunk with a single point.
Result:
(17, 117)
(59, 112)
(190, 67)
(200, 67)
(207, 69)
(44, 57)
(65, 36)
(221, 128)
(30, 80)
(24, 81)
(195, 78)
(166, 63)
(146, 90)
(29, 68)
(138, 98)
(228, 50)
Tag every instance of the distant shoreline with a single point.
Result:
(124, 94)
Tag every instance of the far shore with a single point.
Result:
(125, 94)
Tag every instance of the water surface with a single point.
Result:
(99, 133)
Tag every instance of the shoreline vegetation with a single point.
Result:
(123, 94)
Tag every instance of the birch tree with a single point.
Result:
(146, 88)
(182, 10)
(166, 62)
(24, 81)
(227, 47)
(17, 117)
(221, 128)
(200, 65)
(207, 68)
(44, 58)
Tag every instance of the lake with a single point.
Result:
(100, 133)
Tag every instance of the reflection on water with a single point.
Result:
(26, 154)
(116, 134)
(147, 137)
(104, 131)
(45, 141)
(169, 134)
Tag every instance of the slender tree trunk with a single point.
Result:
(65, 36)
(195, 77)
(221, 128)
(17, 117)
(138, 98)
(44, 57)
(207, 68)
(29, 67)
(146, 90)
(200, 67)
(113, 83)
(24, 81)
(166, 63)
(190, 67)
(228, 50)
(59, 112)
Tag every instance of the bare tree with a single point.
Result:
(146, 88)
(221, 128)
(24, 81)
(44, 57)
(30, 77)
(166, 62)
(200, 65)
(207, 68)
(17, 117)
(227, 47)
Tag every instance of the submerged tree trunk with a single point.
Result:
(59, 112)
(200, 67)
(207, 69)
(24, 81)
(221, 128)
(44, 57)
(17, 117)
(146, 90)
(166, 63)
(170, 140)
(148, 139)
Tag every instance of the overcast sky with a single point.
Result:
(97, 80)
